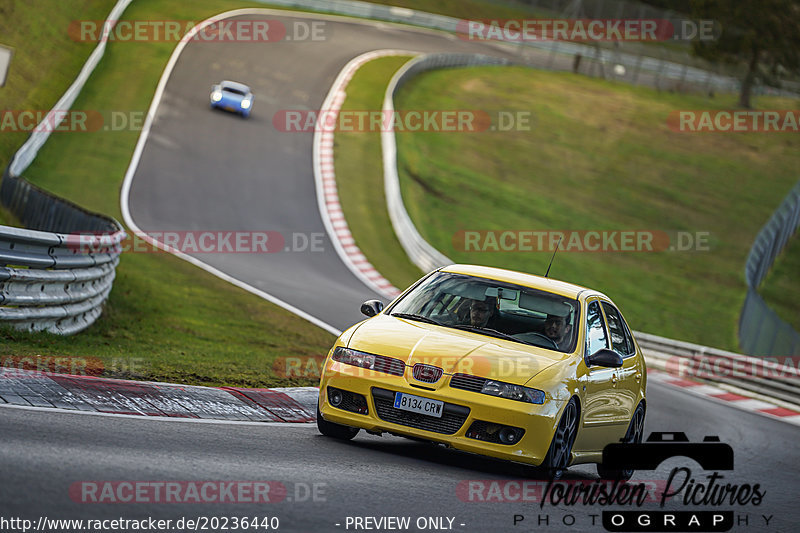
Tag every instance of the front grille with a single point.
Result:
(453, 416)
(426, 373)
(390, 365)
(467, 382)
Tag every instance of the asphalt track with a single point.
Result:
(45, 453)
(202, 170)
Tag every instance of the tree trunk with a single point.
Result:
(747, 84)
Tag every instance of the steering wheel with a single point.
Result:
(545, 337)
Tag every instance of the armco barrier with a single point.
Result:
(757, 375)
(55, 282)
(422, 254)
(658, 69)
(56, 275)
(776, 378)
(761, 330)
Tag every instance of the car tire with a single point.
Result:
(558, 455)
(633, 435)
(336, 431)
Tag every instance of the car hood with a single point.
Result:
(452, 350)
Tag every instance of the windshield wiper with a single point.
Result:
(490, 331)
(411, 316)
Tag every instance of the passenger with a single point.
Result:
(557, 330)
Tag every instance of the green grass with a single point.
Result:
(598, 157)
(45, 60)
(781, 288)
(359, 176)
(183, 325)
(174, 321)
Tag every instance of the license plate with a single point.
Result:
(229, 108)
(417, 404)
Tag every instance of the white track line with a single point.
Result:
(341, 239)
(126, 184)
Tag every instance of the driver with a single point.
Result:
(557, 330)
(481, 313)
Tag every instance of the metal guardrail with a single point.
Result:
(56, 275)
(767, 377)
(421, 253)
(55, 282)
(757, 375)
(761, 330)
(640, 68)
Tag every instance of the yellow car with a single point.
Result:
(490, 361)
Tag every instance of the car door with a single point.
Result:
(629, 376)
(601, 404)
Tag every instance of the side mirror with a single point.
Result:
(373, 307)
(605, 357)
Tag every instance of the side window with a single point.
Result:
(596, 337)
(621, 340)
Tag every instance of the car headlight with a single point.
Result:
(216, 96)
(379, 363)
(512, 392)
(245, 104)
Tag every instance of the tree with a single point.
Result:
(755, 32)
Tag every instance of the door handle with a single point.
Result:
(638, 376)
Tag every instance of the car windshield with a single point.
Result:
(234, 91)
(494, 308)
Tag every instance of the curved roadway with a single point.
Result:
(212, 171)
(45, 453)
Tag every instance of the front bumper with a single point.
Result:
(462, 409)
(234, 106)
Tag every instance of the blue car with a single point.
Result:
(232, 96)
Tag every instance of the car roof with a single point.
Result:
(562, 288)
(227, 84)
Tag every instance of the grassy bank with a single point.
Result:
(599, 156)
(359, 176)
(170, 320)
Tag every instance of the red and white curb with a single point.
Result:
(737, 401)
(325, 176)
(26, 388)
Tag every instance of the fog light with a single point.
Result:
(508, 435)
(335, 397)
